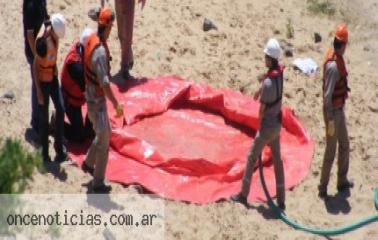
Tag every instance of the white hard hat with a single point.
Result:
(272, 49)
(59, 24)
(85, 35)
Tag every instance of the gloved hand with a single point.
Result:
(331, 128)
(119, 111)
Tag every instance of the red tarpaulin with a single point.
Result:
(187, 141)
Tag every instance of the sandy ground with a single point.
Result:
(169, 40)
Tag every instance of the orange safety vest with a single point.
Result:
(70, 89)
(48, 63)
(90, 75)
(340, 93)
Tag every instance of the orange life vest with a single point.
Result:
(90, 75)
(48, 63)
(340, 93)
(70, 89)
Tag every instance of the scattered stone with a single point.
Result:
(287, 48)
(62, 7)
(9, 95)
(208, 25)
(288, 95)
(276, 32)
(288, 51)
(172, 49)
(281, 10)
(366, 48)
(373, 109)
(317, 37)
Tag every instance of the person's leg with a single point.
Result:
(90, 159)
(97, 156)
(278, 170)
(57, 99)
(69, 133)
(88, 128)
(103, 141)
(34, 103)
(75, 131)
(329, 156)
(44, 121)
(125, 10)
(257, 147)
(343, 152)
(120, 7)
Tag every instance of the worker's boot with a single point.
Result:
(240, 198)
(61, 155)
(101, 189)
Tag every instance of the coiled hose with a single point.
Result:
(281, 214)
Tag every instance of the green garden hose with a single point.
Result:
(329, 232)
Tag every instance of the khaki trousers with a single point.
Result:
(270, 137)
(97, 156)
(340, 139)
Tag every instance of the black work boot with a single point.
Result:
(240, 198)
(61, 156)
(102, 189)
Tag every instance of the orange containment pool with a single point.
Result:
(189, 142)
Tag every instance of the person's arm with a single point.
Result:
(261, 112)
(76, 71)
(257, 94)
(31, 40)
(109, 95)
(331, 77)
(56, 71)
(37, 83)
(267, 96)
(104, 81)
(260, 78)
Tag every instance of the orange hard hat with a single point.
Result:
(106, 17)
(341, 33)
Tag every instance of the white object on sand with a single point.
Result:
(306, 65)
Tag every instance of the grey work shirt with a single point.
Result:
(269, 94)
(99, 65)
(331, 76)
